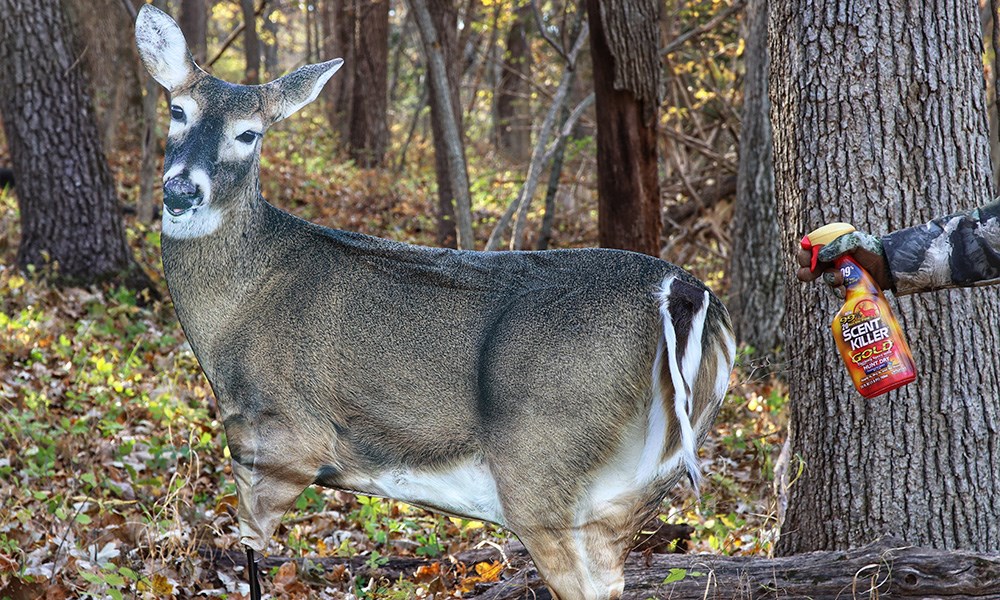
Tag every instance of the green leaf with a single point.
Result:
(91, 577)
(83, 518)
(675, 575)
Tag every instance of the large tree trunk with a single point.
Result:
(194, 16)
(758, 267)
(624, 45)
(251, 42)
(369, 129)
(69, 211)
(437, 22)
(880, 120)
(512, 125)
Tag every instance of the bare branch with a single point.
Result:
(702, 29)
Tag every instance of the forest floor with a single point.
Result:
(114, 475)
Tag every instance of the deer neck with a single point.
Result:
(212, 277)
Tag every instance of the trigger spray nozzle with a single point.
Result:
(817, 238)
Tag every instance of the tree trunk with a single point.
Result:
(369, 128)
(437, 22)
(512, 127)
(758, 267)
(69, 211)
(251, 42)
(194, 15)
(880, 120)
(624, 45)
(272, 66)
(337, 26)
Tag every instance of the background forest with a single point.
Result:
(114, 477)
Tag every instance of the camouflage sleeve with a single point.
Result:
(959, 250)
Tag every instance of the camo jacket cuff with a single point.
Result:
(959, 250)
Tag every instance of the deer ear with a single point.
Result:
(301, 86)
(162, 48)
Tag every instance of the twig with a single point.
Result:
(235, 34)
(702, 29)
(544, 32)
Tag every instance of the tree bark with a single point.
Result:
(437, 21)
(880, 120)
(251, 42)
(70, 225)
(369, 128)
(624, 42)
(758, 266)
(512, 127)
(193, 21)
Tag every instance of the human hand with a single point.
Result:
(864, 248)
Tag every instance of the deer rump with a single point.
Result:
(533, 390)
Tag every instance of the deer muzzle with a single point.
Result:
(180, 195)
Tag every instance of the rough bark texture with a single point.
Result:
(758, 267)
(444, 17)
(512, 127)
(69, 210)
(623, 43)
(369, 130)
(879, 119)
(251, 42)
(880, 570)
(194, 16)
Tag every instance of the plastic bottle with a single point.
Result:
(867, 334)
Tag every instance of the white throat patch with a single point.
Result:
(195, 223)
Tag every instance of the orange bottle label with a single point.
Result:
(868, 336)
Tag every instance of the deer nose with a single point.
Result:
(180, 194)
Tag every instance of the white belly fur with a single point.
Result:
(464, 489)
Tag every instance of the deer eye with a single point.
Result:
(247, 137)
(176, 113)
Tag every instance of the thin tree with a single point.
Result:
(880, 120)
(757, 268)
(193, 22)
(624, 44)
(251, 42)
(512, 116)
(437, 22)
(369, 120)
(337, 26)
(269, 42)
(71, 228)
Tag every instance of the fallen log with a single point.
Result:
(885, 569)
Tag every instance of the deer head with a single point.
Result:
(212, 157)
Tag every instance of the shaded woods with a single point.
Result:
(477, 124)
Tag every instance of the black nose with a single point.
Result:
(180, 194)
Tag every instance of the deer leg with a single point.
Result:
(582, 563)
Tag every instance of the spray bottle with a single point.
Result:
(867, 334)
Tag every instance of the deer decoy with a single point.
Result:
(559, 394)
